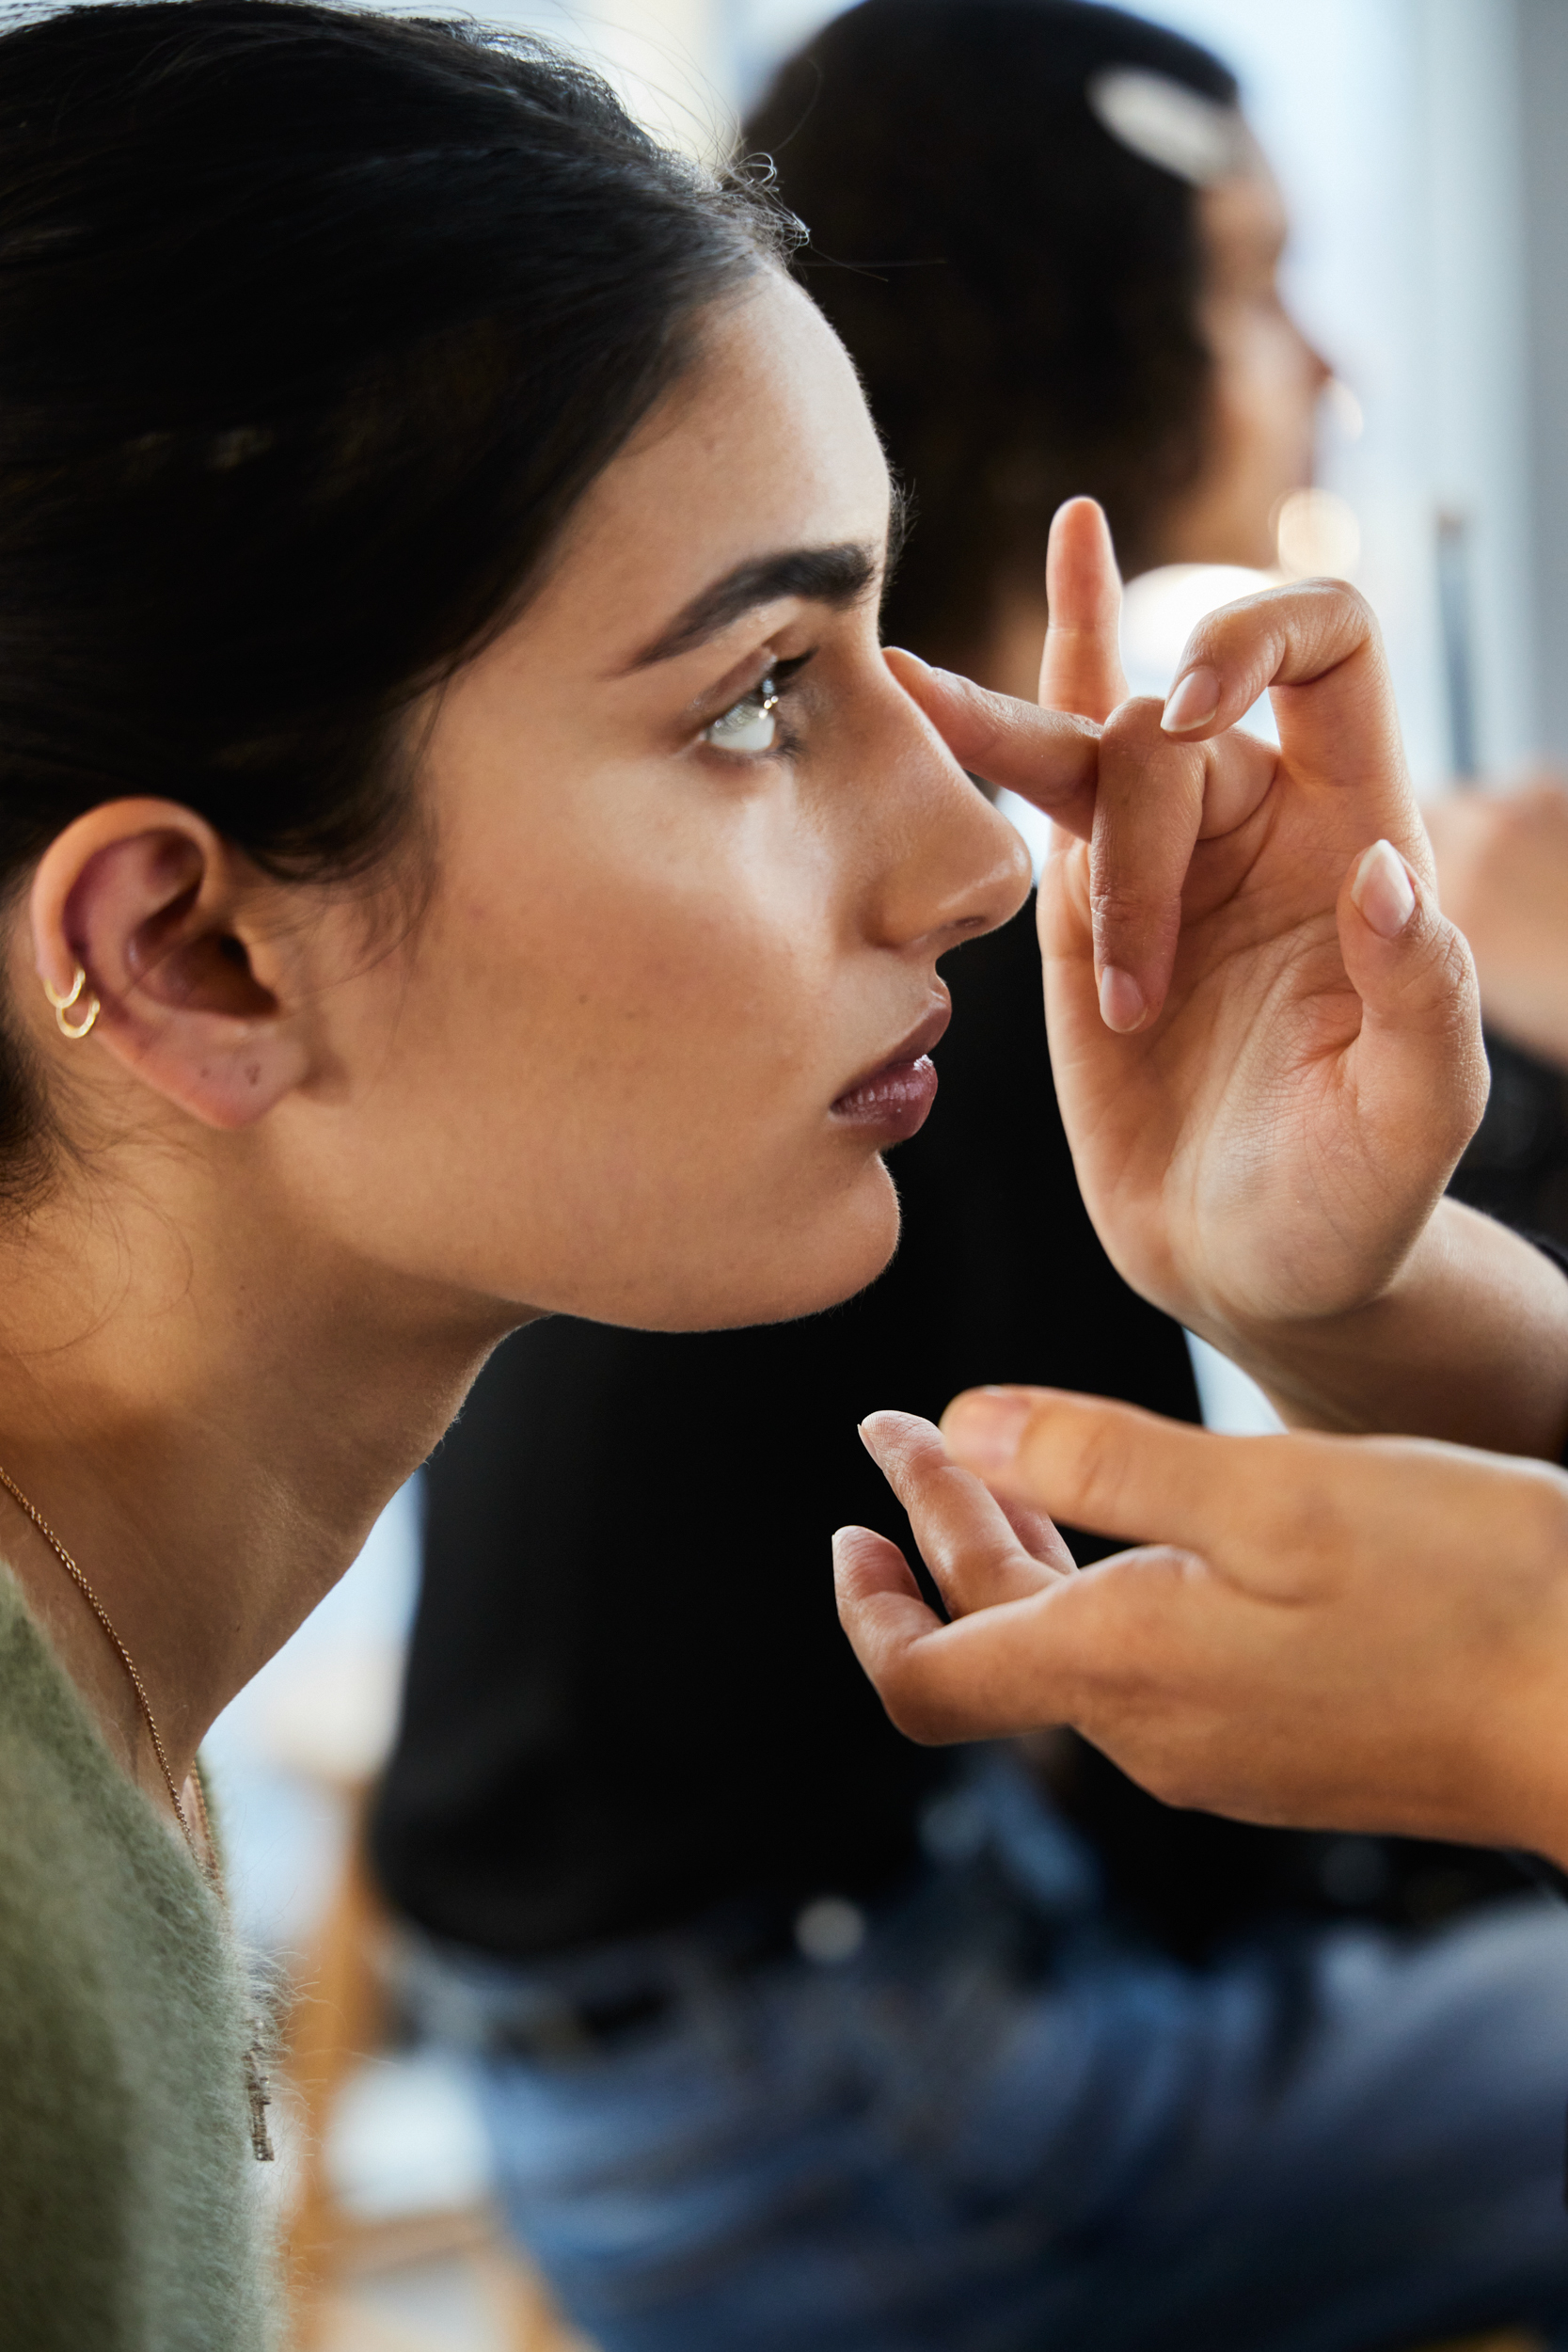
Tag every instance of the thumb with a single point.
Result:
(1420, 1064)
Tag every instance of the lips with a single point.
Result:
(892, 1101)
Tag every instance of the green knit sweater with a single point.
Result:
(130, 2214)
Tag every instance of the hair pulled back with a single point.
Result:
(313, 327)
(1018, 290)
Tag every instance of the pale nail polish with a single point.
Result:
(1193, 702)
(1383, 892)
(1121, 1001)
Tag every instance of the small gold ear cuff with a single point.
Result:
(62, 1006)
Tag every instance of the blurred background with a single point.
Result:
(1420, 149)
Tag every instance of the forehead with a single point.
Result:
(764, 443)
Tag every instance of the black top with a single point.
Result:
(628, 1698)
(628, 1695)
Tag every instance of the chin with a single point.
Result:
(797, 1269)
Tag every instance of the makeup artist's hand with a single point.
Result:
(1350, 1633)
(1264, 1033)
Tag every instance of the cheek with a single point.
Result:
(616, 980)
(633, 1072)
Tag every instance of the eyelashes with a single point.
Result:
(752, 727)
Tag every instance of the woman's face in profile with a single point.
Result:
(696, 856)
(1266, 383)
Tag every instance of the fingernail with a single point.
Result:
(1193, 702)
(1122, 1004)
(982, 1429)
(1383, 892)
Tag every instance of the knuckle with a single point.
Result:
(1133, 724)
(1344, 602)
(1089, 1465)
(1118, 905)
(1438, 981)
(1453, 967)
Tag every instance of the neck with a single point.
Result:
(211, 1444)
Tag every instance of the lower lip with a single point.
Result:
(893, 1106)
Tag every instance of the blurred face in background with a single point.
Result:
(1267, 380)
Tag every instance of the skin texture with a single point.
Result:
(325, 1152)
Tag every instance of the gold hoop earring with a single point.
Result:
(62, 1006)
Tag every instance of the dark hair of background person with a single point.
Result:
(1018, 290)
(313, 327)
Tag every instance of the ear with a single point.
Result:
(168, 924)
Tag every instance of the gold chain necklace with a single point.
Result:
(255, 2081)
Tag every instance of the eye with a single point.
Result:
(750, 724)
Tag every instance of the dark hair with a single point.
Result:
(313, 327)
(1018, 289)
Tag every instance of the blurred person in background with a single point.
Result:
(758, 1994)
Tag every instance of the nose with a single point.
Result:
(957, 868)
(1318, 367)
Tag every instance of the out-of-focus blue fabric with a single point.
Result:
(996, 2126)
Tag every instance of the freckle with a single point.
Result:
(254, 1073)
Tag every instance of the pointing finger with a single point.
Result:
(1121, 1470)
(1080, 667)
(1047, 756)
(965, 1538)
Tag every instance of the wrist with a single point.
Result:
(1466, 1340)
(1314, 1366)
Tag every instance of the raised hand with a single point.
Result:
(1339, 1633)
(1264, 1033)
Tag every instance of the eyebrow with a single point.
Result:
(834, 576)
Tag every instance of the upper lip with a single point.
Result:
(919, 1040)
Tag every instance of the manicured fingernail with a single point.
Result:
(1192, 704)
(982, 1429)
(1383, 891)
(1122, 1004)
